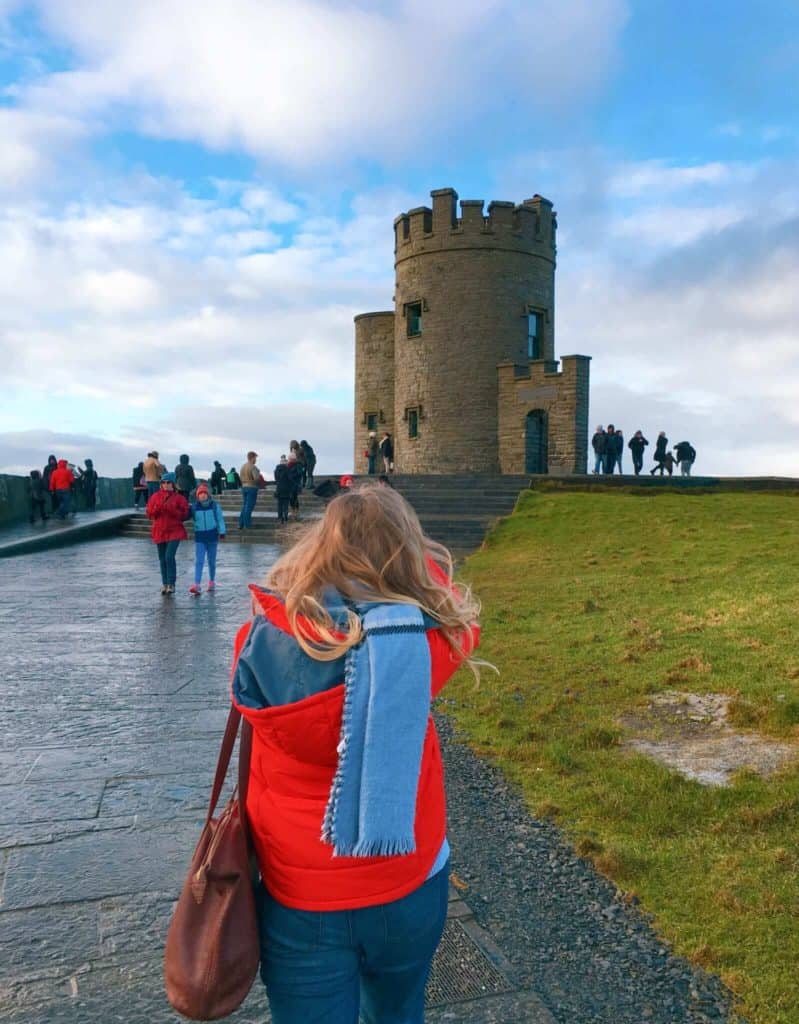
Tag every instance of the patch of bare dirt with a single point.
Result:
(690, 734)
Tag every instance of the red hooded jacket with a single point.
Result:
(168, 509)
(294, 759)
(62, 477)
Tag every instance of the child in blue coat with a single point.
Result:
(209, 526)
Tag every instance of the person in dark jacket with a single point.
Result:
(296, 472)
(283, 488)
(88, 482)
(686, 455)
(233, 482)
(140, 493)
(614, 445)
(218, 478)
(387, 452)
(38, 496)
(185, 480)
(310, 462)
(636, 445)
(619, 439)
(661, 450)
(598, 442)
(52, 464)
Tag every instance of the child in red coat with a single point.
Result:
(168, 510)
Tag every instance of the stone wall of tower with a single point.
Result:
(374, 378)
(476, 278)
(562, 396)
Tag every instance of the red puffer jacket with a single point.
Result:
(294, 759)
(168, 509)
(62, 478)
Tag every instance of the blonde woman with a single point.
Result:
(358, 627)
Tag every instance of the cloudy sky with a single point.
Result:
(197, 197)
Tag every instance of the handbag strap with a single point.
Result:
(225, 752)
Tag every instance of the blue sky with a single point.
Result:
(196, 198)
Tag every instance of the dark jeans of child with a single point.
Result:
(37, 506)
(283, 510)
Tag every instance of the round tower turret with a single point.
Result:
(471, 292)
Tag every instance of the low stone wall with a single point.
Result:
(112, 492)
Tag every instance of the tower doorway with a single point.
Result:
(535, 444)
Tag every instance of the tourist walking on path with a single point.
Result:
(61, 481)
(686, 456)
(153, 471)
(636, 445)
(661, 448)
(296, 475)
(387, 452)
(52, 465)
(39, 498)
(88, 482)
(282, 489)
(140, 493)
(599, 443)
(217, 478)
(185, 480)
(612, 448)
(168, 510)
(209, 528)
(310, 462)
(251, 481)
(361, 625)
(372, 451)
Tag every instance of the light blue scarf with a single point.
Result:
(372, 806)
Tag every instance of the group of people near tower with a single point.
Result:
(54, 491)
(382, 449)
(608, 447)
(173, 497)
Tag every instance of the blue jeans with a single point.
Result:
(166, 559)
(153, 486)
(599, 459)
(326, 967)
(249, 496)
(64, 506)
(201, 549)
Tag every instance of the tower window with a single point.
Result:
(371, 421)
(413, 422)
(413, 318)
(535, 323)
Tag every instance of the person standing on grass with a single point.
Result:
(209, 529)
(61, 480)
(360, 627)
(153, 471)
(661, 449)
(251, 478)
(686, 456)
(282, 489)
(168, 510)
(636, 445)
(599, 443)
(611, 450)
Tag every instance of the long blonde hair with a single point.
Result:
(369, 546)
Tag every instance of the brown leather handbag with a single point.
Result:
(212, 950)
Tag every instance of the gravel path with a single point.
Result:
(591, 958)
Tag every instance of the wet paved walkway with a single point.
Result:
(113, 701)
(23, 538)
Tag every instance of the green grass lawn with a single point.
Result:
(592, 603)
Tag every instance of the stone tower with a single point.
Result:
(463, 373)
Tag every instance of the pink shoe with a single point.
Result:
(195, 589)
(211, 585)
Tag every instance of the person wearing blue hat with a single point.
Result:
(168, 510)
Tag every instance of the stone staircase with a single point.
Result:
(455, 510)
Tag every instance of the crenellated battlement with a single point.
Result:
(528, 227)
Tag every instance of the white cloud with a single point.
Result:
(315, 80)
